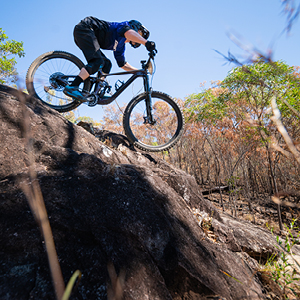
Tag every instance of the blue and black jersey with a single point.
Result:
(116, 40)
(110, 36)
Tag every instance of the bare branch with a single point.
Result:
(277, 121)
(292, 10)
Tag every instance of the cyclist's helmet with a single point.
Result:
(136, 26)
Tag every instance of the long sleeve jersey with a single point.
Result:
(110, 36)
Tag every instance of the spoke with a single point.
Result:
(159, 133)
(42, 75)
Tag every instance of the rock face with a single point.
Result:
(114, 205)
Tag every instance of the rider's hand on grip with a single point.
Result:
(150, 46)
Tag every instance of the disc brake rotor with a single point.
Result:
(57, 82)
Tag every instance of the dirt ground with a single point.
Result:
(264, 212)
(261, 211)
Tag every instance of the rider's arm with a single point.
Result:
(127, 67)
(133, 36)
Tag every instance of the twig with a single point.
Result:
(115, 290)
(36, 202)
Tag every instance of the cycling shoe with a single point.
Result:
(73, 91)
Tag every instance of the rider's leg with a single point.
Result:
(72, 90)
(107, 64)
(91, 68)
(86, 40)
(105, 68)
(82, 76)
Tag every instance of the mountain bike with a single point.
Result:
(152, 121)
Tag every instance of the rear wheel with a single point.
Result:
(48, 75)
(166, 129)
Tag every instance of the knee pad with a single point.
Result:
(93, 66)
(107, 66)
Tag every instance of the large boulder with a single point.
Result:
(114, 206)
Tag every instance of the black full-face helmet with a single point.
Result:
(137, 26)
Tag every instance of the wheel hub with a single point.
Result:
(92, 100)
(57, 82)
(148, 121)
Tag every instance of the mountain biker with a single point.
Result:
(92, 34)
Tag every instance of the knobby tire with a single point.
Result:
(167, 130)
(38, 76)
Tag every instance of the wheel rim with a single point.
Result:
(49, 80)
(163, 132)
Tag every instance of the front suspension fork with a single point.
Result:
(148, 119)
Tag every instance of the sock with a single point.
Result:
(77, 81)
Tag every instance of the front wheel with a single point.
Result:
(48, 75)
(159, 135)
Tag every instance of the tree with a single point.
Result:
(237, 135)
(9, 48)
(244, 96)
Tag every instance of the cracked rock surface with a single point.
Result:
(114, 205)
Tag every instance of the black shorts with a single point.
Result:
(85, 38)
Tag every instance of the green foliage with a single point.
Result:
(257, 83)
(70, 116)
(232, 182)
(7, 65)
(259, 74)
(282, 271)
(205, 106)
(244, 96)
(87, 120)
(70, 285)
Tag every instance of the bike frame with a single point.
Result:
(144, 73)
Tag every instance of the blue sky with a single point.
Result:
(186, 33)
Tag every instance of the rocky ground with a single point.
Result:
(110, 205)
(263, 212)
